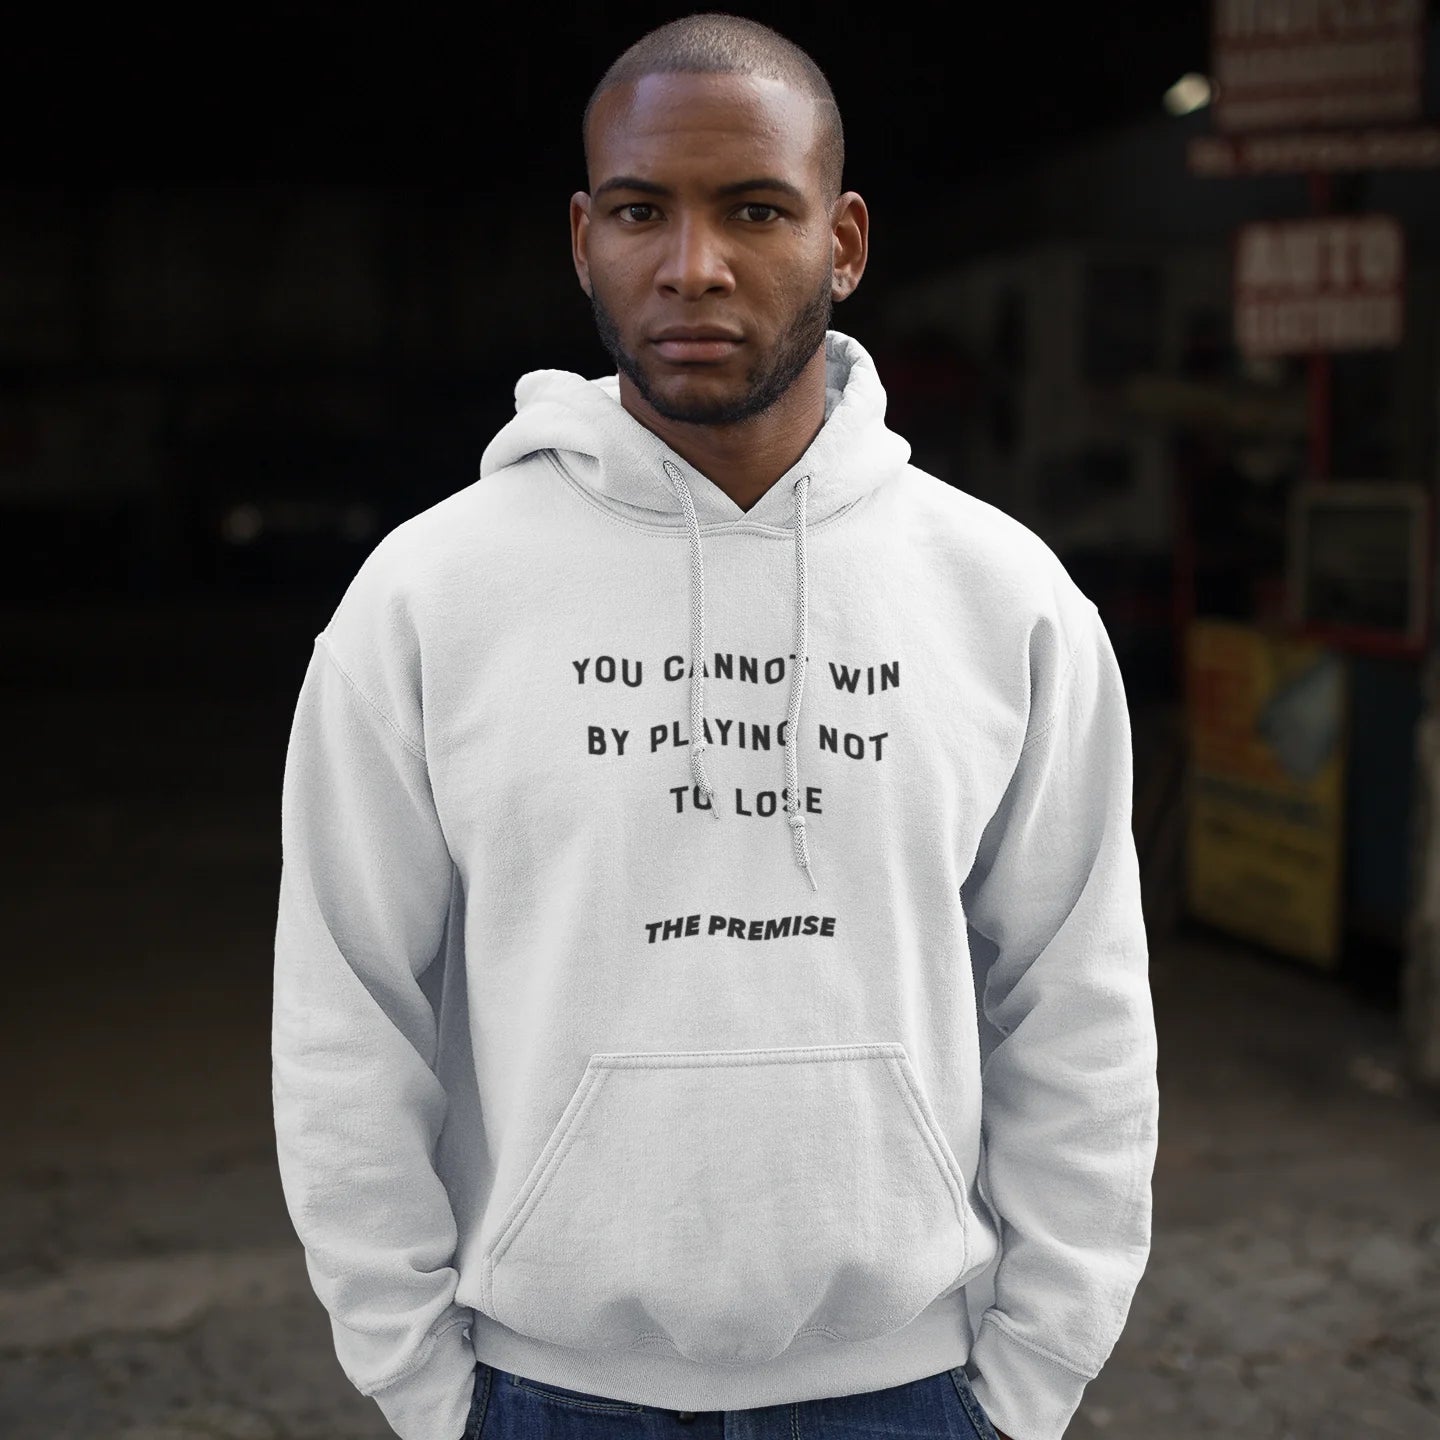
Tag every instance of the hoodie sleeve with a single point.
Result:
(364, 895)
(1070, 1104)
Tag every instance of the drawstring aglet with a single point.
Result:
(702, 782)
(797, 834)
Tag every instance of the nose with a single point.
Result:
(694, 263)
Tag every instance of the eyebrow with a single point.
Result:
(737, 187)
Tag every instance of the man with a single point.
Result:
(590, 1106)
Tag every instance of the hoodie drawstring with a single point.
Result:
(697, 641)
(797, 684)
(797, 674)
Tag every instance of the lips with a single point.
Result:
(696, 346)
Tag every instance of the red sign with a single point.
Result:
(1310, 152)
(1335, 282)
(1288, 64)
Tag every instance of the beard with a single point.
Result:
(765, 382)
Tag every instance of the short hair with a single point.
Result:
(719, 44)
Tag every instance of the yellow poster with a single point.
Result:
(1266, 723)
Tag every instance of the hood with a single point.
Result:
(595, 440)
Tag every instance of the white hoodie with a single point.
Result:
(713, 1103)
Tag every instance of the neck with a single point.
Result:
(747, 458)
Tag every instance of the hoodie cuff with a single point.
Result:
(432, 1402)
(1026, 1394)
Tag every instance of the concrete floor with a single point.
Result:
(151, 1287)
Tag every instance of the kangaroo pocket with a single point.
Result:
(730, 1204)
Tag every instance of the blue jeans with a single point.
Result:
(938, 1407)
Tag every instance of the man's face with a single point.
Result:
(707, 218)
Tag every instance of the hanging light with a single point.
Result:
(1189, 92)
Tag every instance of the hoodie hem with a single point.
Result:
(938, 1339)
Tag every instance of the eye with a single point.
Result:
(756, 205)
(624, 212)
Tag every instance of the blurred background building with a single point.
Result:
(265, 291)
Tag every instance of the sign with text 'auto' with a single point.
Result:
(1289, 64)
(1333, 282)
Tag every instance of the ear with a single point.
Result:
(579, 237)
(850, 235)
